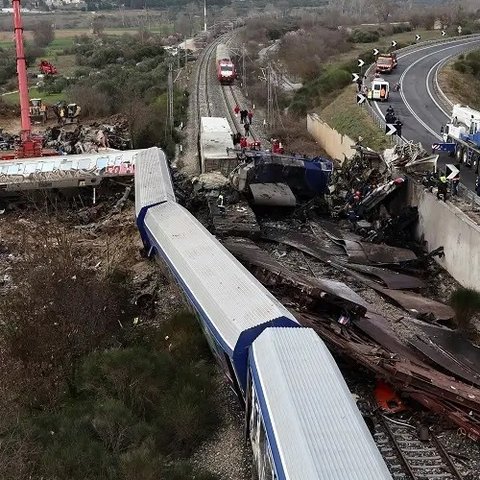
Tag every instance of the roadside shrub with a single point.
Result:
(364, 36)
(404, 27)
(466, 303)
(469, 64)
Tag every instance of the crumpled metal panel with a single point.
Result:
(417, 305)
(272, 194)
(27, 173)
(444, 359)
(393, 280)
(323, 289)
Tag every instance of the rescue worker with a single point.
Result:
(390, 110)
(442, 187)
(250, 116)
(243, 142)
(236, 110)
(398, 125)
(243, 116)
(246, 126)
(359, 84)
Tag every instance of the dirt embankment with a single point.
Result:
(459, 87)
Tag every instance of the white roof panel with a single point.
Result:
(232, 299)
(319, 432)
(215, 138)
(153, 183)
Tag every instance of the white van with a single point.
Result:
(379, 90)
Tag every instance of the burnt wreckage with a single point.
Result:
(369, 244)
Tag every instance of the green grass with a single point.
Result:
(460, 87)
(345, 116)
(13, 98)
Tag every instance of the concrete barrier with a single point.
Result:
(336, 145)
(443, 224)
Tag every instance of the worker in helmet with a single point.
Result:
(442, 187)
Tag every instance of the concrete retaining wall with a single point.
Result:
(443, 224)
(338, 146)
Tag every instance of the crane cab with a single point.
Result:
(37, 110)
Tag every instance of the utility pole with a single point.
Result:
(185, 50)
(204, 15)
(244, 72)
(269, 96)
(170, 98)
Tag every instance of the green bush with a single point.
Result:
(401, 28)
(364, 36)
(469, 64)
(466, 303)
(139, 411)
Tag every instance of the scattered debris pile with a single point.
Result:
(335, 275)
(430, 363)
(88, 139)
(411, 158)
(113, 133)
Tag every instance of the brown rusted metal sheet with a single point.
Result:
(393, 280)
(386, 254)
(371, 253)
(308, 244)
(455, 344)
(330, 255)
(445, 360)
(376, 327)
(334, 233)
(417, 305)
(272, 273)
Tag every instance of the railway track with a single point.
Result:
(231, 100)
(413, 455)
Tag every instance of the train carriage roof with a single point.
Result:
(315, 429)
(153, 184)
(232, 303)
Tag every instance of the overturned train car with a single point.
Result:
(300, 417)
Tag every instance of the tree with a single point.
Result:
(98, 24)
(43, 33)
(383, 8)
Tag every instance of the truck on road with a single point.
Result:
(462, 135)
(386, 63)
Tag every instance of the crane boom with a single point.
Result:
(26, 132)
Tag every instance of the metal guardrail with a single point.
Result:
(470, 197)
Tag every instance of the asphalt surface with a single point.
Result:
(418, 104)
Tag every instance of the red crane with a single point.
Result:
(30, 145)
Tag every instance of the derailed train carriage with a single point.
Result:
(301, 419)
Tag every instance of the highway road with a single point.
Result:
(418, 104)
